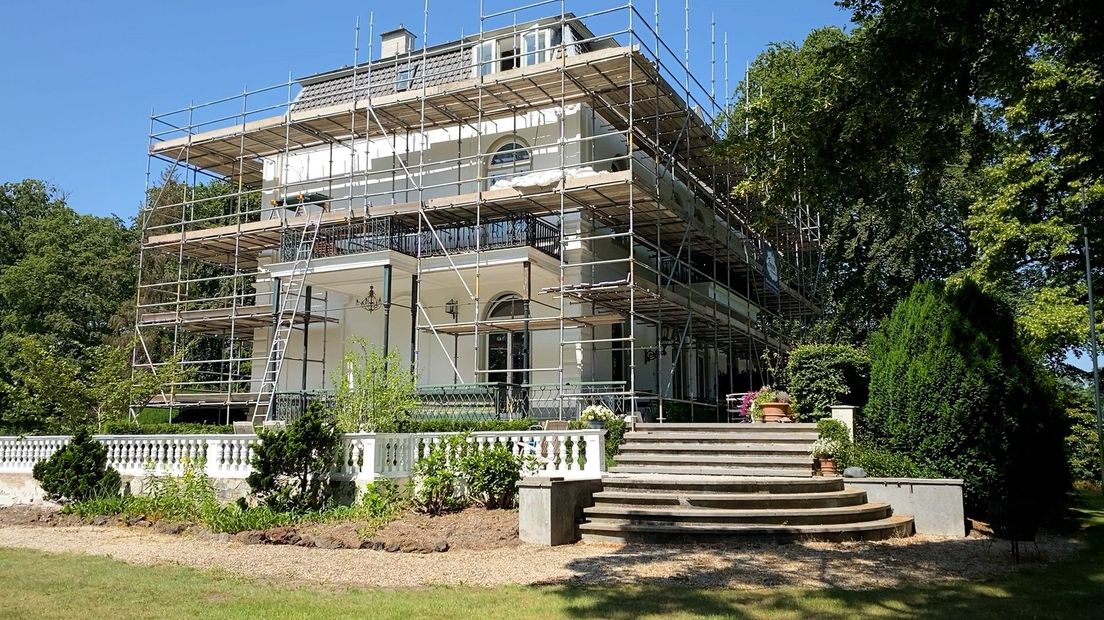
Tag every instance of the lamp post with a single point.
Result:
(453, 309)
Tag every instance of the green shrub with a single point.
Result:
(827, 428)
(86, 509)
(450, 425)
(233, 518)
(822, 375)
(373, 392)
(189, 497)
(952, 390)
(491, 475)
(78, 471)
(383, 499)
(121, 427)
(882, 464)
(291, 468)
(436, 482)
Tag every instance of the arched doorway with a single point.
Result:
(507, 351)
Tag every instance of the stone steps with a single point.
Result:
(659, 515)
(753, 447)
(700, 470)
(694, 482)
(686, 485)
(696, 437)
(735, 501)
(713, 460)
(623, 531)
(723, 427)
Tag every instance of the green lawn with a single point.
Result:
(37, 585)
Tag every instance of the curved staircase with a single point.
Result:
(704, 482)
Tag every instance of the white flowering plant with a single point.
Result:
(826, 448)
(599, 413)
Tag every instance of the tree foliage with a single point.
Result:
(952, 390)
(65, 282)
(1082, 440)
(938, 138)
(812, 131)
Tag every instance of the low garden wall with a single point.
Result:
(935, 504)
(364, 457)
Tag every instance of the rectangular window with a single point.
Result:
(404, 77)
(484, 58)
(536, 46)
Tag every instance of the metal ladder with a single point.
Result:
(285, 322)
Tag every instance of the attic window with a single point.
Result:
(403, 77)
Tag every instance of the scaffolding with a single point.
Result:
(660, 290)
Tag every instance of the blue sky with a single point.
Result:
(82, 77)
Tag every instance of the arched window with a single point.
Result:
(507, 351)
(508, 160)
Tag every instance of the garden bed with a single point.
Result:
(469, 529)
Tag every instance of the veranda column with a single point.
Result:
(386, 309)
(413, 322)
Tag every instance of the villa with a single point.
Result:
(530, 216)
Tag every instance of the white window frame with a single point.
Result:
(488, 66)
(536, 36)
(514, 167)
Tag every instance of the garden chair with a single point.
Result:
(1015, 522)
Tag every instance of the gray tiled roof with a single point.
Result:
(450, 66)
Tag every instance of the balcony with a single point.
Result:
(482, 401)
(388, 233)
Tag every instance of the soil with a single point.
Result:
(47, 515)
(472, 529)
(476, 529)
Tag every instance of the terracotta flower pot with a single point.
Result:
(775, 412)
(827, 466)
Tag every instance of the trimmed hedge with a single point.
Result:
(165, 428)
(822, 375)
(448, 425)
(952, 391)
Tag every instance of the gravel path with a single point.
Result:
(849, 565)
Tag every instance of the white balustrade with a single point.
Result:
(362, 457)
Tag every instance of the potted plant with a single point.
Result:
(771, 405)
(596, 416)
(825, 450)
(832, 442)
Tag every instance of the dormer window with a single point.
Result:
(484, 57)
(536, 46)
(403, 78)
(518, 50)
